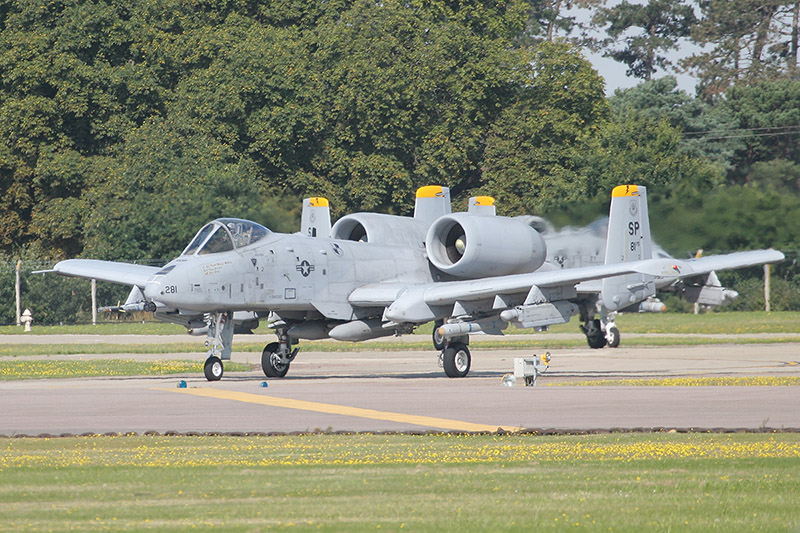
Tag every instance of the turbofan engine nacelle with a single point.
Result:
(380, 229)
(471, 246)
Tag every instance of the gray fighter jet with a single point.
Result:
(586, 246)
(380, 275)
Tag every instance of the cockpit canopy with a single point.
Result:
(225, 234)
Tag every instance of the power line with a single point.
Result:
(740, 133)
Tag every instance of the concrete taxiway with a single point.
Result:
(407, 391)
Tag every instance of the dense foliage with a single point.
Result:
(124, 126)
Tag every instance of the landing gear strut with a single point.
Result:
(277, 356)
(220, 341)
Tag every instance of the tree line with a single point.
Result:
(124, 126)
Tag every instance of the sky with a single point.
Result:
(614, 72)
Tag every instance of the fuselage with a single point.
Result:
(284, 272)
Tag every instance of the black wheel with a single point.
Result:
(213, 368)
(594, 334)
(613, 338)
(271, 361)
(439, 342)
(456, 360)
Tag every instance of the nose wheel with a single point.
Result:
(213, 368)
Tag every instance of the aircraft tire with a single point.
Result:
(456, 360)
(439, 343)
(595, 335)
(213, 368)
(613, 342)
(270, 362)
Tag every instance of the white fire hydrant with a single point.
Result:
(26, 319)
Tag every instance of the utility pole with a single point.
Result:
(17, 291)
(94, 302)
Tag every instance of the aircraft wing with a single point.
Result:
(413, 303)
(111, 271)
(704, 265)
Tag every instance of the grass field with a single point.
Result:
(60, 369)
(612, 482)
(706, 323)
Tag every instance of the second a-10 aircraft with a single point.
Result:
(379, 275)
(573, 247)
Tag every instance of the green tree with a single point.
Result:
(744, 41)
(662, 24)
(533, 153)
(159, 188)
(407, 96)
(766, 118)
(702, 125)
(727, 219)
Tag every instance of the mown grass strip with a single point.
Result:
(630, 482)
(544, 342)
(751, 322)
(52, 368)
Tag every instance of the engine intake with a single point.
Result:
(379, 229)
(471, 246)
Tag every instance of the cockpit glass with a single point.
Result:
(199, 239)
(224, 235)
(244, 232)
(219, 241)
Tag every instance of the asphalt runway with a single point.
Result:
(407, 391)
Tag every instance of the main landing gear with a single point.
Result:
(454, 354)
(456, 360)
(601, 332)
(277, 356)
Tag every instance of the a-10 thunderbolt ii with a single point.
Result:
(380, 275)
(577, 247)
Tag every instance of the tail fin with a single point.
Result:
(628, 240)
(433, 201)
(316, 218)
(482, 205)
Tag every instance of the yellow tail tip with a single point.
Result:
(318, 201)
(430, 191)
(625, 190)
